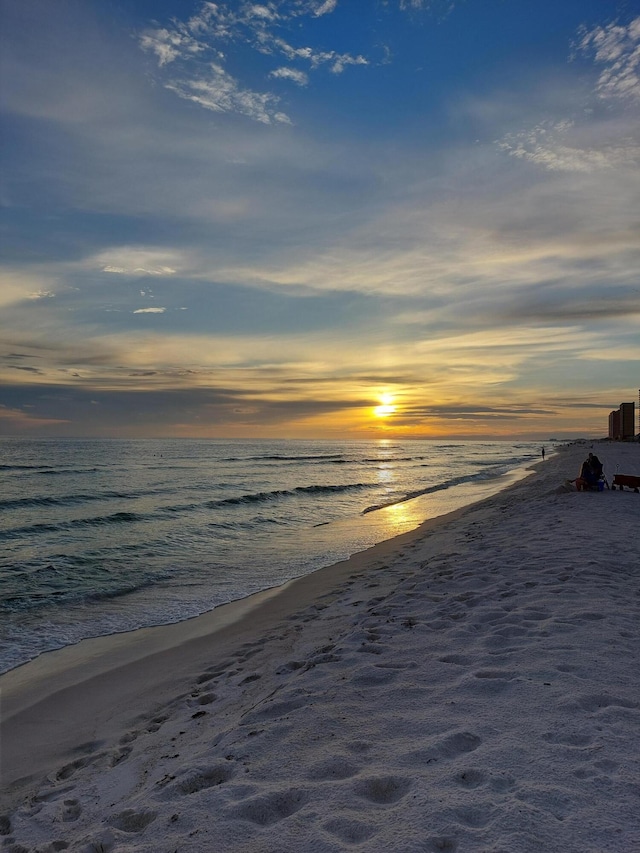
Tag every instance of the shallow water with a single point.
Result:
(98, 536)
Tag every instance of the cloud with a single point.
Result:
(587, 140)
(617, 48)
(440, 7)
(199, 47)
(42, 294)
(549, 145)
(316, 269)
(169, 45)
(218, 91)
(14, 420)
(340, 61)
(135, 260)
(337, 62)
(27, 369)
(292, 74)
(17, 285)
(265, 13)
(326, 7)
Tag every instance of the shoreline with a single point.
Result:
(468, 602)
(415, 509)
(282, 556)
(49, 680)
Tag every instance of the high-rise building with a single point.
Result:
(614, 425)
(628, 420)
(622, 422)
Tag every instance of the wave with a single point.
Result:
(47, 470)
(276, 457)
(47, 598)
(80, 498)
(26, 467)
(438, 487)
(95, 521)
(376, 460)
(258, 497)
(67, 500)
(124, 517)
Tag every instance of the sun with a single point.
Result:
(386, 407)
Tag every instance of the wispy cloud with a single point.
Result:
(42, 294)
(215, 89)
(135, 260)
(199, 47)
(299, 77)
(617, 48)
(585, 140)
(169, 45)
(556, 146)
(326, 7)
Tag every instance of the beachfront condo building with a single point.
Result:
(622, 422)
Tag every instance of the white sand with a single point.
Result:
(473, 686)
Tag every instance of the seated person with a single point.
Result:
(590, 473)
(596, 466)
(584, 481)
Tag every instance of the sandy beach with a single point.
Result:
(469, 686)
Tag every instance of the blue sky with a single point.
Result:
(269, 219)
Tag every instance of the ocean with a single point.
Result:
(102, 536)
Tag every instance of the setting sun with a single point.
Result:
(386, 406)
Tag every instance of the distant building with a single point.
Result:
(622, 422)
(628, 418)
(614, 425)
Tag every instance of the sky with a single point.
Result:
(319, 218)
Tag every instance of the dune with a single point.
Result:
(469, 686)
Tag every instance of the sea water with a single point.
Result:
(100, 536)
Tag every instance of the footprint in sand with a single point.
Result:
(71, 811)
(458, 744)
(272, 808)
(253, 677)
(470, 778)
(205, 677)
(68, 770)
(592, 703)
(474, 817)
(450, 748)
(202, 699)
(119, 755)
(349, 830)
(132, 821)
(370, 649)
(274, 710)
(372, 676)
(155, 723)
(206, 777)
(129, 737)
(383, 790)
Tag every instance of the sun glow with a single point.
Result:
(386, 407)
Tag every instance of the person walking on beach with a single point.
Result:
(543, 454)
